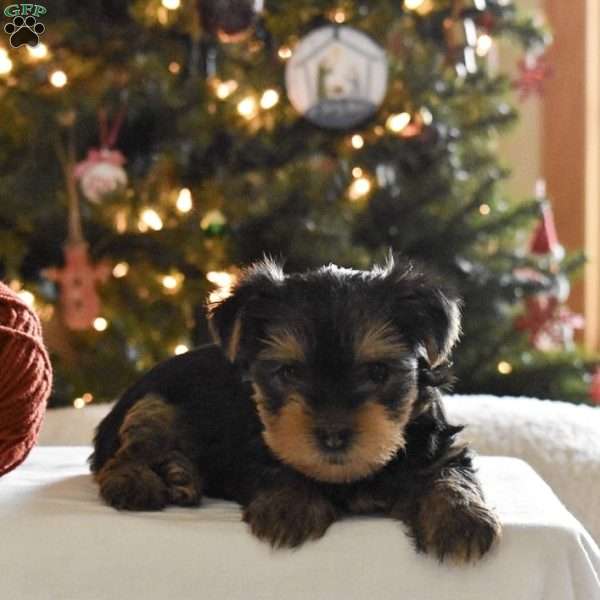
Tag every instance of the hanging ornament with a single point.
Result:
(102, 172)
(595, 387)
(533, 72)
(337, 76)
(544, 240)
(230, 20)
(214, 223)
(80, 303)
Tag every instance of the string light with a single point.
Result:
(100, 324)
(184, 200)
(171, 4)
(6, 64)
(174, 67)
(150, 218)
(269, 99)
(397, 122)
(58, 79)
(38, 52)
(357, 141)
(284, 52)
(224, 89)
(120, 270)
(358, 188)
(87, 398)
(484, 44)
(413, 4)
(181, 349)
(357, 172)
(247, 107)
(224, 282)
(504, 368)
(485, 209)
(339, 16)
(79, 403)
(162, 15)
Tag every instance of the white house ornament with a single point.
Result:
(101, 173)
(337, 76)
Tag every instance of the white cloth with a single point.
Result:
(59, 542)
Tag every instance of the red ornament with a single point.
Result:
(545, 239)
(533, 71)
(78, 295)
(595, 387)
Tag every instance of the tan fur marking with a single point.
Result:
(234, 341)
(378, 341)
(283, 345)
(289, 434)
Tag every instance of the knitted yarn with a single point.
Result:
(25, 379)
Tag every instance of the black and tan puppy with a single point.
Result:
(318, 399)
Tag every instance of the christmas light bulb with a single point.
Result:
(184, 200)
(100, 324)
(38, 52)
(484, 44)
(397, 122)
(6, 64)
(174, 67)
(358, 188)
(224, 89)
(171, 4)
(504, 368)
(269, 99)
(247, 107)
(357, 172)
(87, 398)
(58, 79)
(79, 403)
(413, 4)
(357, 141)
(181, 349)
(120, 270)
(339, 16)
(220, 278)
(150, 218)
(169, 282)
(284, 52)
(485, 209)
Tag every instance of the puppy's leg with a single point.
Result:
(448, 517)
(146, 473)
(288, 512)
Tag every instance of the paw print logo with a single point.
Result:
(24, 31)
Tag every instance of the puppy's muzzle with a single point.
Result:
(334, 438)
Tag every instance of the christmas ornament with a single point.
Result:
(545, 239)
(102, 172)
(337, 76)
(533, 71)
(595, 387)
(213, 223)
(230, 20)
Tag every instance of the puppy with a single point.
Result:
(318, 399)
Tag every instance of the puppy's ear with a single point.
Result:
(426, 310)
(234, 322)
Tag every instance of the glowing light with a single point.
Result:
(100, 324)
(224, 282)
(150, 218)
(6, 64)
(397, 122)
(504, 367)
(269, 99)
(120, 270)
(339, 16)
(184, 200)
(27, 297)
(357, 141)
(484, 44)
(357, 172)
(58, 79)
(485, 209)
(224, 89)
(181, 349)
(358, 188)
(426, 115)
(174, 67)
(413, 4)
(171, 4)
(378, 130)
(284, 52)
(248, 107)
(79, 403)
(121, 221)
(87, 398)
(40, 51)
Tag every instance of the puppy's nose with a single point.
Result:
(333, 439)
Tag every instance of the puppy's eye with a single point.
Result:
(378, 372)
(288, 372)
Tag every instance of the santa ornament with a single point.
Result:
(102, 172)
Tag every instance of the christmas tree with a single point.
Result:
(151, 148)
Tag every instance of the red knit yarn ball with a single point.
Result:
(25, 379)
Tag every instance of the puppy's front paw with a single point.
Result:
(459, 533)
(287, 517)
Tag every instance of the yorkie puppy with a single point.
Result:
(318, 399)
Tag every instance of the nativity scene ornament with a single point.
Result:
(337, 77)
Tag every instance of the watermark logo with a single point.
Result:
(25, 28)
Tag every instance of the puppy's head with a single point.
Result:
(333, 357)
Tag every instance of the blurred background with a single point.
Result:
(149, 149)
